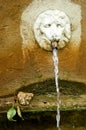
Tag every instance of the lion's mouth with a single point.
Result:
(54, 44)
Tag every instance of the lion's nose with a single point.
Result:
(55, 37)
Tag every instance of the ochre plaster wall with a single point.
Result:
(39, 65)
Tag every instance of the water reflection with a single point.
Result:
(34, 126)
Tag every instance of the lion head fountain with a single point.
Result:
(52, 29)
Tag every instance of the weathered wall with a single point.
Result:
(39, 65)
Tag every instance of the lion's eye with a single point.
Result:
(58, 25)
(47, 25)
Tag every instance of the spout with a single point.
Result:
(50, 26)
(54, 44)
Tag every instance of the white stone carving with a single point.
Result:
(52, 26)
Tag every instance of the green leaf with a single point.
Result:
(11, 113)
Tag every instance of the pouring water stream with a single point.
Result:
(55, 59)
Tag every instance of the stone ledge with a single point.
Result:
(47, 102)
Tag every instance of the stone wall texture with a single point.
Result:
(14, 73)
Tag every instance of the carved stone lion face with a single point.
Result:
(52, 26)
